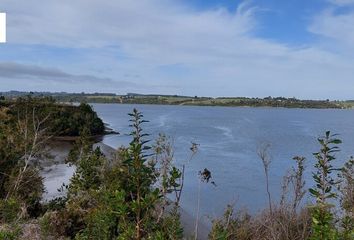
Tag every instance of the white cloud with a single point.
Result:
(216, 48)
(342, 2)
(339, 27)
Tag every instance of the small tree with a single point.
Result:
(298, 182)
(142, 176)
(322, 216)
(263, 153)
(22, 141)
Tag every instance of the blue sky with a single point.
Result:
(283, 21)
(301, 48)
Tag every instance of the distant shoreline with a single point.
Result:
(228, 106)
(158, 99)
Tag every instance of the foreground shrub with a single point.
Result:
(10, 210)
(22, 140)
(63, 223)
(118, 199)
(10, 232)
(322, 216)
(282, 224)
(346, 188)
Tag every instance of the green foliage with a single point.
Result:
(142, 194)
(29, 190)
(99, 225)
(11, 149)
(128, 197)
(132, 98)
(10, 210)
(22, 141)
(322, 176)
(224, 101)
(232, 226)
(322, 224)
(322, 217)
(171, 225)
(70, 120)
(346, 188)
(120, 199)
(62, 119)
(25, 127)
(46, 226)
(88, 172)
(62, 223)
(298, 182)
(10, 232)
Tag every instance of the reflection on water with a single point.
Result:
(54, 177)
(55, 171)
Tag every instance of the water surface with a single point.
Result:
(229, 138)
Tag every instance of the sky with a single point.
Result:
(291, 48)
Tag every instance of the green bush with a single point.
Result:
(120, 200)
(9, 210)
(323, 227)
(9, 234)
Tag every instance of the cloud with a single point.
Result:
(80, 23)
(145, 29)
(342, 2)
(208, 52)
(339, 27)
(11, 71)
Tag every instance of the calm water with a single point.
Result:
(229, 139)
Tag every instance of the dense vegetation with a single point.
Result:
(121, 198)
(132, 98)
(59, 119)
(136, 194)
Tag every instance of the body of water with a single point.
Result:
(229, 139)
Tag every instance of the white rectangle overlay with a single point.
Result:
(2, 27)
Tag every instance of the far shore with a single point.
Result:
(338, 107)
(181, 100)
